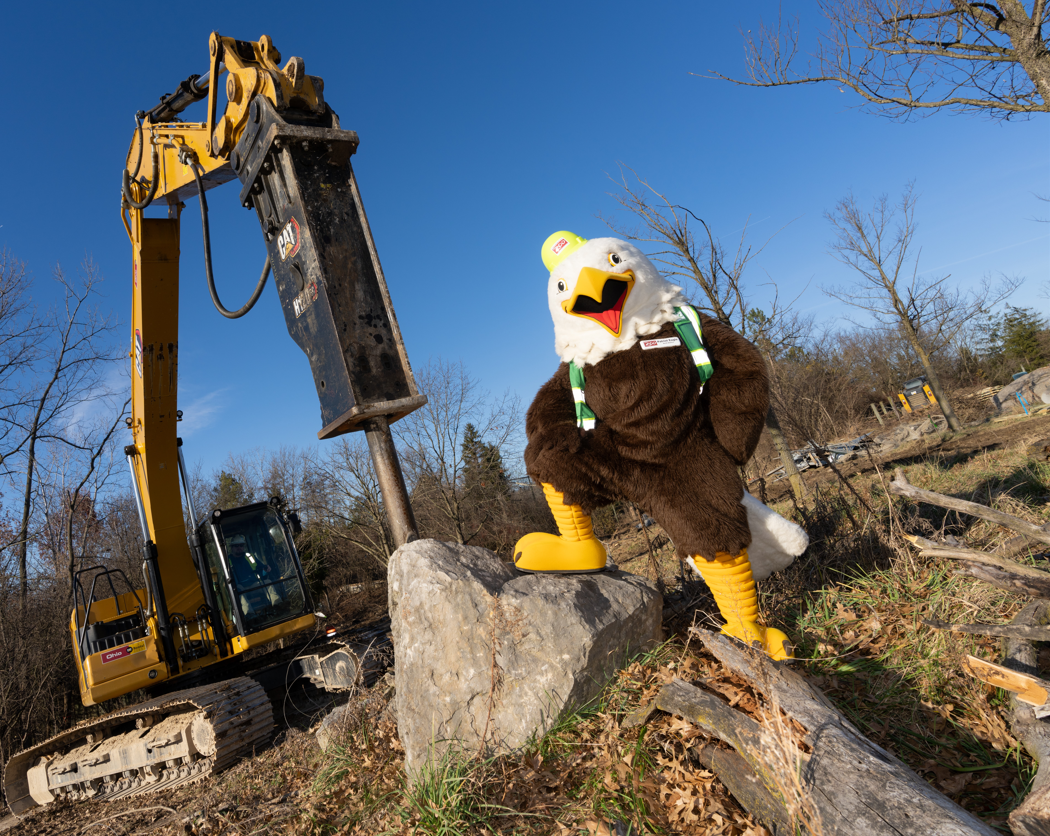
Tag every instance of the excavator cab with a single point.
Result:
(254, 569)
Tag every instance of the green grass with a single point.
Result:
(449, 797)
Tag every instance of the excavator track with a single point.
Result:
(181, 737)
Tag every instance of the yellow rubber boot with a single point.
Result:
(575, 551)
(730, 581)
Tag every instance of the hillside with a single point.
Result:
(853, 604)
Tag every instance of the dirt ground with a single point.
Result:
(989, 435)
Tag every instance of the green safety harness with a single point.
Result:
(688, 327)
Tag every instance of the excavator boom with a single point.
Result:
(235, 582)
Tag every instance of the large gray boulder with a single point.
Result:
(485, 657)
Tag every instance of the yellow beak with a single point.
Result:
(600, 297)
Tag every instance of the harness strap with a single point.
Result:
(585, 418)
(688, 328)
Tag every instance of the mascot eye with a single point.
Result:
(561, 287)
(614, 259)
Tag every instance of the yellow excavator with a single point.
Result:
(214, 588)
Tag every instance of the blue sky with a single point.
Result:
(484, 128)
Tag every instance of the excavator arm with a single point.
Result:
(236, 582)
(278, 137)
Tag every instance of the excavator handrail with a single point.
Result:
(101, 571)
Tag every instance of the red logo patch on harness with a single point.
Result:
(664, 342)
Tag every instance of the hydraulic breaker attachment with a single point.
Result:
(299, 179)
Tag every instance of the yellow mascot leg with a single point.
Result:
(575, 551)
(730, 581)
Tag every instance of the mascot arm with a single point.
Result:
(550, 424)
(738, 390)
(558, 452)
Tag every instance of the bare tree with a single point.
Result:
(908, 56)
(877, 358)
(431, 446)
(240, 479)
(257, 474)
(827, 387)
(75, 506)
(926, 311)
(19, 334)
(291, 473)
(700, 260)
(56, 428)
(66, 375)
(354, 509)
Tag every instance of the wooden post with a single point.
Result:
(875, 409)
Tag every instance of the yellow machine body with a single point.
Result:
(165, 153)
(233, 581)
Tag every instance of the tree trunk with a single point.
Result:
(1025, 38)
(781, 445)
(935, 382)
(23, 529)
(71, 565)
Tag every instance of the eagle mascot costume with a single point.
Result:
(657, 404)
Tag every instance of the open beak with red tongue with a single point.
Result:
(600, 296)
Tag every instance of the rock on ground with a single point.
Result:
(486, 657)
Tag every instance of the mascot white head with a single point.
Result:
(604, 295)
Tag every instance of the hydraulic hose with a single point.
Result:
(154, 178)
(207, 260)
(138, 126)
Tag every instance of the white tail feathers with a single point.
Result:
(775, 541)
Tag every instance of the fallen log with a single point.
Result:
(833, 777)
(744, 785)
(1003, 631)
(951, 545)
(900, 486)
(998, 571)
(1005, 579)
(1032, 817)
(1020, 543)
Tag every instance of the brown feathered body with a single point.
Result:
(659, 440)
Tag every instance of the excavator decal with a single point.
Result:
(288, 240)
(304, 299)
(121, 652)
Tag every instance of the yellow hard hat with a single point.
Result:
(559, 246)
